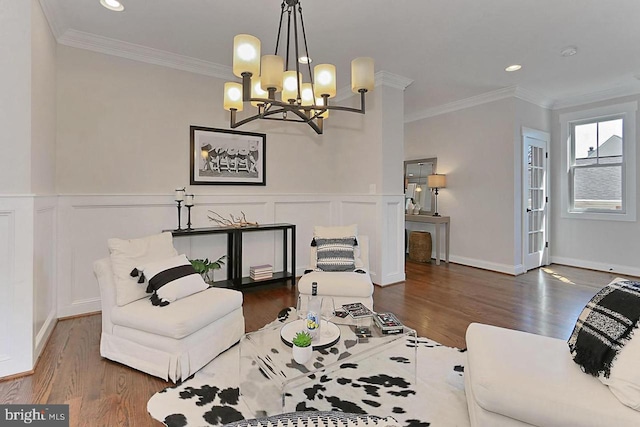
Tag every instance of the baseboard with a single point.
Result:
(44, 334)
(80, 308)
(512, 270)
(391, 279)
(598, 266)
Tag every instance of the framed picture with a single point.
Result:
(227, 157)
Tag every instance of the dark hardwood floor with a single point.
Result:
(438, 301)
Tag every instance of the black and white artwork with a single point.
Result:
(227, 157)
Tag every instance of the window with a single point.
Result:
(600, 160)
(596, 165)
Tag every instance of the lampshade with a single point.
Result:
(246, 55)
(437, 181)
(324, 76)
(257, 91)
(290, 82)
(362, 74)
(232, 96)
(307, 94)
(272, 67)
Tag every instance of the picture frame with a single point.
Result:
(227, 157)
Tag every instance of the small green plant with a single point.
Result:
(205, 268)
(302, 339)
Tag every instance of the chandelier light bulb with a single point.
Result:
(306, 92)
(325, 79)
(246, 55)
(257, 91)
(233, 96)
(290, 83)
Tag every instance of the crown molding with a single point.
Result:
(53, 18)
(473, 101)
(601, 95)
(382, 78)
(533, 97)
(385, 78)
(108, 46)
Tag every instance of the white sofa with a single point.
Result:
(514, 378)
(344, 287)
(171, 342)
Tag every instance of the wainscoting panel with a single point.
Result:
(16, 290)
(86, 222)
(44, 270)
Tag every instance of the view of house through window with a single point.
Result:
(596, 167)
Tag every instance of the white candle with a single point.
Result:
(189, 200)
(179, 194)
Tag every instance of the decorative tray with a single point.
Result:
(323, 341)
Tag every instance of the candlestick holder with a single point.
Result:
(189, 217)
(179, 207)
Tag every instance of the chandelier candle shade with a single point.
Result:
(304, 95)
(436, 181)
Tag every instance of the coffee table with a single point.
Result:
(268, 373)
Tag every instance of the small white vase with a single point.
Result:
(302, 354)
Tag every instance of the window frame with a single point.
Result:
(568, 121)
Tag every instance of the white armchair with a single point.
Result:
(171, 342)
(344, 286)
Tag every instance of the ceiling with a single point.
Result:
(453, 50)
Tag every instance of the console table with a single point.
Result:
(439, 222)
(234, 253)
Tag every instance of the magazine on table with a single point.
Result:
(357, 310)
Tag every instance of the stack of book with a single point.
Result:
(261, 272)
(388, 323)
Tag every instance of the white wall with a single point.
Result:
(15, 87)
(43, 103)
(476, 149)
(596, 244)
(123, 146)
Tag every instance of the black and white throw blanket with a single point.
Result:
(385, 389)
(605, 325)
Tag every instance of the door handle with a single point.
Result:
(528, 210)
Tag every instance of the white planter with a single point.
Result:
(302, 354)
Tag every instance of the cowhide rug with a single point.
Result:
(385, 388)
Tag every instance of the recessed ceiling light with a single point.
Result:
(114, 5)
(514, 67)
(305, 60)
(569, 51)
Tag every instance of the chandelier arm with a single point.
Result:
(282, 7)
(306, 49)
(295, 37)
(317, 127)
(286, 65)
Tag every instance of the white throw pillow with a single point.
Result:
(172, 279)
(127, 254)
(624, 378)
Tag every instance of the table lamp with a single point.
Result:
(436, 182)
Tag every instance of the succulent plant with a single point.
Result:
(302, 339)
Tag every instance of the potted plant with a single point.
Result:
(302, 349)
(205, 268)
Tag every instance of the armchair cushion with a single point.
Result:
(181, 318)
(172, 279)
(127, 254)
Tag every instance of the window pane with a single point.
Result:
(585, 140)
(610, 138)
(598, 188)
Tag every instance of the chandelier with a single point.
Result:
(264, 77)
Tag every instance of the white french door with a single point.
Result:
(536, 201)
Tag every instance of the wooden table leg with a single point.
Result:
(437, 244)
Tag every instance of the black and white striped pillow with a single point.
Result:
(335, 254)
(171, 280)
